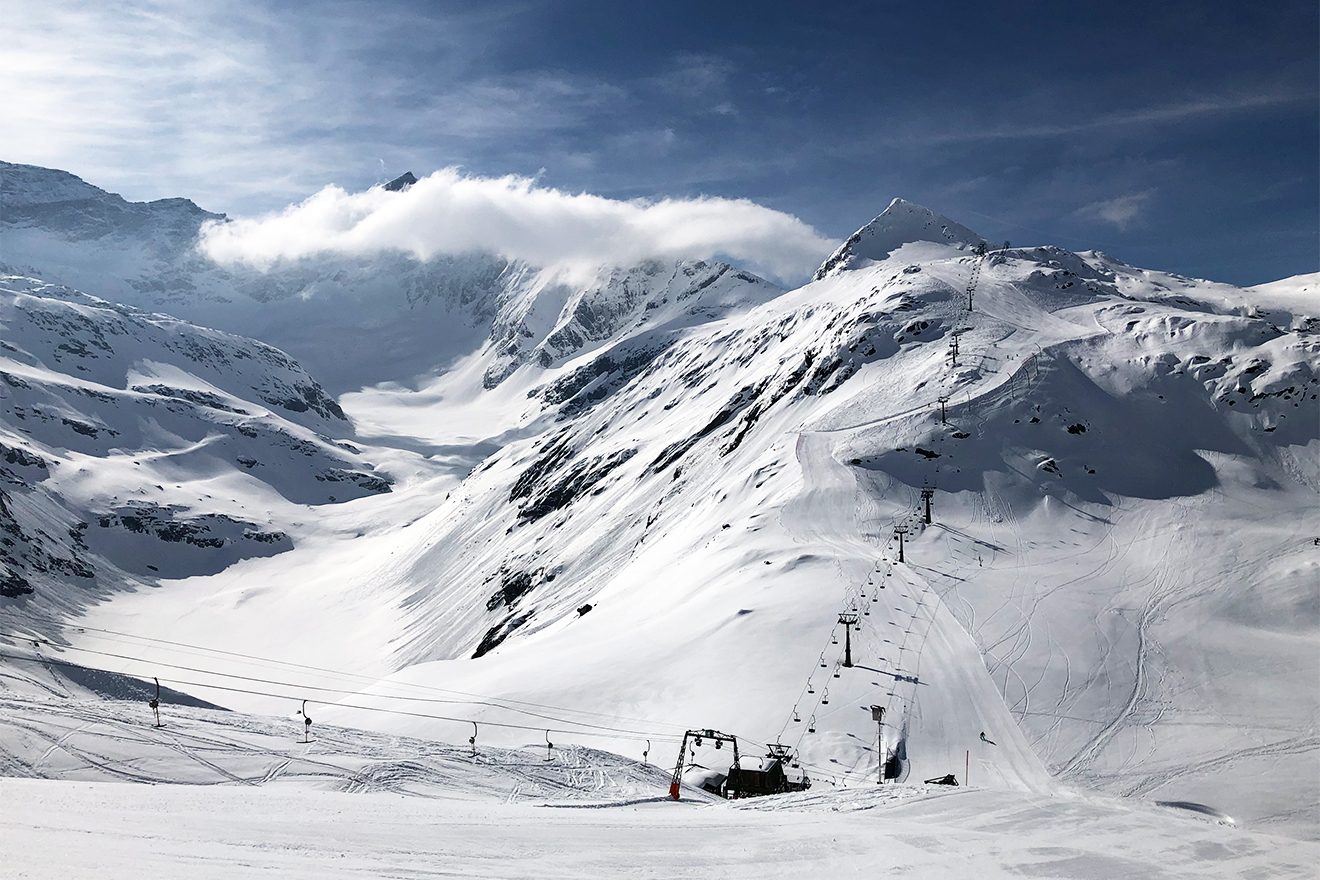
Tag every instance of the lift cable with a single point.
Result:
(489, 700)
(639, 736)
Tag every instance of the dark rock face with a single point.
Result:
(166, 524)
(23, 458)
(543, 492)
(210, 542)
(402, 182)
(201, 398)
(28, 555)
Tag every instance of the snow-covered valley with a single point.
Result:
(604, 508)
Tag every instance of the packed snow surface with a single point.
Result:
(351, 803)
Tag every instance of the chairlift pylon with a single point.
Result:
(154, 702)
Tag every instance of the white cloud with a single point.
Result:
(243, 104)
(448, 212)
(1120, 211)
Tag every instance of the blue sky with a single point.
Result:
(1182, 136)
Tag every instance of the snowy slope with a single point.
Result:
(229, 793)
(1117, 588)
(136, 447)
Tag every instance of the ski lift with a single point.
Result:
(472, 740)
(834, 640)
(696, 741)
(811, 725)
(548, 746)
(718, 744)
(825, 697)
(796, 718)
(810, 689)
(154, 702)
(307, 722)
(836, 671)
(822, 661)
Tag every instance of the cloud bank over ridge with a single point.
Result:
(448, 212)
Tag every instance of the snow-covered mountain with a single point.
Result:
(353, 321)
(902, 223)
(135, 447)
(652, 494)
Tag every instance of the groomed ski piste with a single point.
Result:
(1107, 633)
(219, 794)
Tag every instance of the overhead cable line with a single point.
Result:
(45, 661)
(492, 700)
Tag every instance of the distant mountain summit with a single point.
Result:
(903, 222)
(67, 205)
(402, 182)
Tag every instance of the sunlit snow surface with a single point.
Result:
(1118, 588)
(354, 804)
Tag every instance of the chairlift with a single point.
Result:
(696, 741)
(307, 722)
(810, 689)
(836, 671)
(796, 718)
(718, 744)
(825, 697)
(822, 661)
(811, 725)
(834, 640)
(153, 703)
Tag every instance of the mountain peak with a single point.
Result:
(899, 224)
(402, 182)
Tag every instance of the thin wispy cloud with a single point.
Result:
(248, 105)
(236, 102)
(1120, 212)
(448, 213)
(1157, 114)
